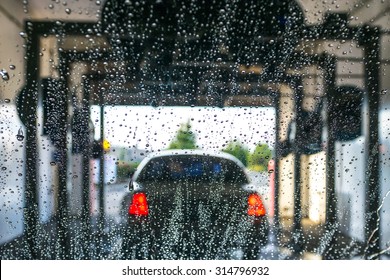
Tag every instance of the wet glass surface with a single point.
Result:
(292, 94)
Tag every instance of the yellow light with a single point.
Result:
(106, 145)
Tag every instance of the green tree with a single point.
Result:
(185, 138)
(258, 160)
(237, 149)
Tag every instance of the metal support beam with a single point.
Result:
(63, 207)
(276, 218)
(86, 154)
(31, 215)
(297, 234)
(101, 170)
(372, 71)
(331, 227)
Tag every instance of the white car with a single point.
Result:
(192, 204)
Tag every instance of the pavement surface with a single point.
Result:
(104, 243)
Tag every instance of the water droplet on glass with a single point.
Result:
(270, 171)
(20, 135)
(23, 34)
(51, 6)
(4, 75)
(3, 168)
(12, 67)
(7, 100)
(52, 163)
(68, 11)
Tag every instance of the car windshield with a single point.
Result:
(200, 168)
(251, 111)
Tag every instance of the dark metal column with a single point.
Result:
(101, 186)
(276, 218)
(31, 218)
(62, 149)
(372, 67)
(331, 227)
(86, 154)
(297, 234)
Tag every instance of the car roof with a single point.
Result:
(181, 152)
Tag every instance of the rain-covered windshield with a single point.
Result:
(287, 99)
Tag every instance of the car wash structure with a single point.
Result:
(246, 53)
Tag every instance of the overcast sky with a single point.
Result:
(153, 128)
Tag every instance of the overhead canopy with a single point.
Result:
(199, 52)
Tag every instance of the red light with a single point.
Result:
(255, 205)
(139, 205)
